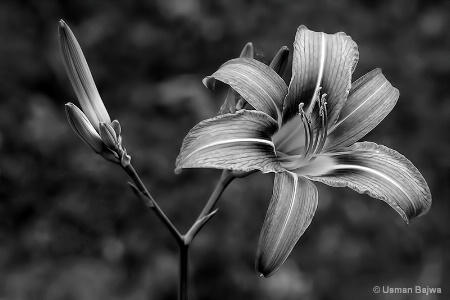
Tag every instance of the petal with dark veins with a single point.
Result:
(256, 82)
(380, 172)
(240, 141)
(371, 99)
(324, 61)
(293, 204)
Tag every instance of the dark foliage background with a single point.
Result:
(71, 229)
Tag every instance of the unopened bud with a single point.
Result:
(116, 125)
(109, 136)
(83, 128)
(80, 77)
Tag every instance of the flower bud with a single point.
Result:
(81, 78)
(116, 125)
(109, 136)
(83, 128)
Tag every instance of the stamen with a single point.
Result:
(308, 130)
(324, 129)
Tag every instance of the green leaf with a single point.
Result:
(320, 60)
(382, 173)
(371, 99)
(240, 142)
(293, 204)
(256, 82)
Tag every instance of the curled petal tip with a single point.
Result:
(209, 82)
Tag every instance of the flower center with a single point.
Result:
(301, 139)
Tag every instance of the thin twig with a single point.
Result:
(137, 180)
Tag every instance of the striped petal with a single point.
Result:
(320, 61)
(280, 61)
(293, 204)
(380, 172)
(240, 141)
(229, 105)
(371, 99)
(256, 82)
(81, 78)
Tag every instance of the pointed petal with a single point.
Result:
(80, 77)
(371, 99)
(382, 173)
(320, 60)
(240, 142)
(280, 61)
(83, 128)
(258, 84)
(293, 204)
(248, 51)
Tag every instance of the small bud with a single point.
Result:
(116, 125)
(83, 128)
(109, 136)
(81, 78)
(280, 61)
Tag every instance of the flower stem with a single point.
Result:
(137, 180)
(226, 178)
(183, 241)
(183, 272)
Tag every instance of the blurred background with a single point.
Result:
(71, 229)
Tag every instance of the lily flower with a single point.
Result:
(305, 132)
(92, 124)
